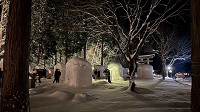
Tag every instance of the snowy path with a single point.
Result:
(150, 96)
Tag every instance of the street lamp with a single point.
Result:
(169, 67)
(169, 71)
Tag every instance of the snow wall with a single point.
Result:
(78, 73)
(100, 68)
(116, 71)
(144, 71)
(62, 68)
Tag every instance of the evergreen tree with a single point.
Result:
(15, 93)
(195, 99)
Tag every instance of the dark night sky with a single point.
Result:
(182, 24)
(183, 27)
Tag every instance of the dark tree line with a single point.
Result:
(53, 31)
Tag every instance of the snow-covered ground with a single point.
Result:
(152, 95)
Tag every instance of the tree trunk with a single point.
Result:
(66, 48)
(163, 71)
(102, 50)
(85, 50)
(60, 56)
(163, 67)
(66, 52)
(2, 15)
(38, 56)
(132, 68)
(66, 55)
(15, 93)
(195, 91)
(56, 58)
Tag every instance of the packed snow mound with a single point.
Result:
(40, 89)
(40, 85)
(143, 91)
(101, 82)
(82, 97)
(145, 71)
(61, 95)
(123, 88)
(78, 73)
(34, 91)
(31, 91)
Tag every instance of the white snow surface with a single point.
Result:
(151, 95)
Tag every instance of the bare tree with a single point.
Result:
(170, 46)
(141, 17)
(195, 10)
(15, 94)
(182, 51)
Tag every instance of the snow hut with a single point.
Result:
(78, 73)
(62, 68)
(116, 71)
(99, 68)
(145, 71)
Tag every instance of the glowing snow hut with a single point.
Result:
(78, 73)
(116, 71)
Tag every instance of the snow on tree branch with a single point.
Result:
(129, 22)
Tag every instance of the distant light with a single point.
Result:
(170, 71)
(169, 67)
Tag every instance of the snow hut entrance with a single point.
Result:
(62, 69)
